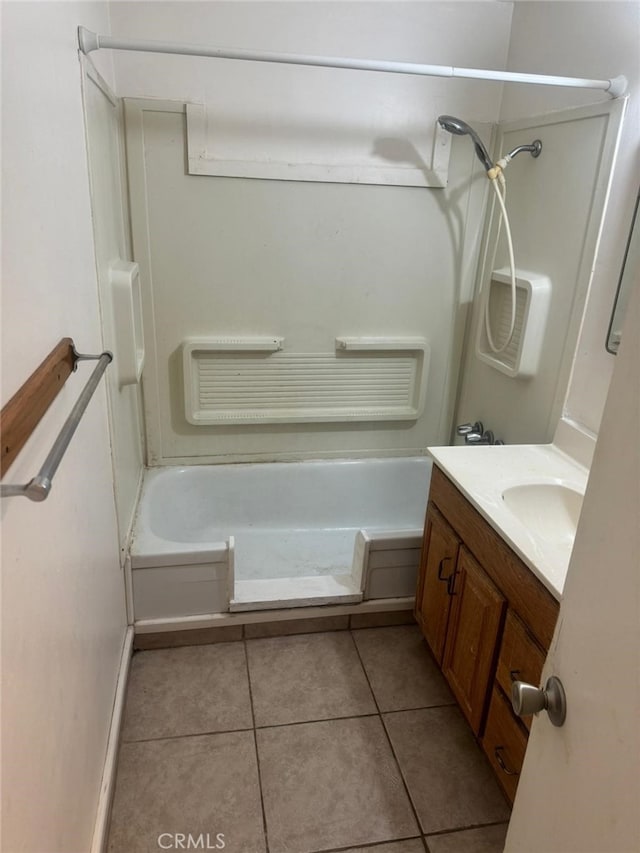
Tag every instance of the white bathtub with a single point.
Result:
(218, 537)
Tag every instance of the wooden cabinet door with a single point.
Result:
(472, 638)
(437, 567)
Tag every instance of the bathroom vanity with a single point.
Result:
(487, 601)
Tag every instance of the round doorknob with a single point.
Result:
(527, 699)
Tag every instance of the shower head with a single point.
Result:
(461, 128)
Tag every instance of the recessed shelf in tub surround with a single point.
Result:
(530, 494)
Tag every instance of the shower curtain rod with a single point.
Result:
(90, 41)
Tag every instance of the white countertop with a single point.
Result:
(483, 473)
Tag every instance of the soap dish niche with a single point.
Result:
(533, 295)
(124, 278)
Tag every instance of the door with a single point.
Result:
(437, 567)
(580, 784)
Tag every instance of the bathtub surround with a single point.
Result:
(556, 207)
(368, 261)
(111, 229)
(573, 34)
(333, 327)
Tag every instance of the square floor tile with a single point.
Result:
(331, 784)
(450, 781)
(188, 690)
(402, 673)
(200, 786)
(485, 839)
(307, 677)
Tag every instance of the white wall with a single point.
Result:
(591, 39)
(433, 32)
(63, 614)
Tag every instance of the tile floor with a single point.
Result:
(336, 741)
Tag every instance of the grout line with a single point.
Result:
(375, 713)
(465, 828)
(188, 734)
(384, 729)
(370, 844)
(421, 708)
(255, 743)
(309, 722)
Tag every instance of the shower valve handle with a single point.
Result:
(477, 438)
(468, 429)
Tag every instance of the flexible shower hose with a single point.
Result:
(500, 187)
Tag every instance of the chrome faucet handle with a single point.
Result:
(476, 438)
(466, 429)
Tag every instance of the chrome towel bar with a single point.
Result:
(39, 487)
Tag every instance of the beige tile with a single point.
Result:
(485, 839)
(189, 690)
(198, 785)
(402, 673)
(193, 637)
(307, 677)
(412, 845)
(296, 626)
(380, 620)
(449, 779)
(331, 784)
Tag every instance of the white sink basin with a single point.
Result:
(549, 510)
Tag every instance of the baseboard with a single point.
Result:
(216, 620)
(101, 827)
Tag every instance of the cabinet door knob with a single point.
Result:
(527, 699)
